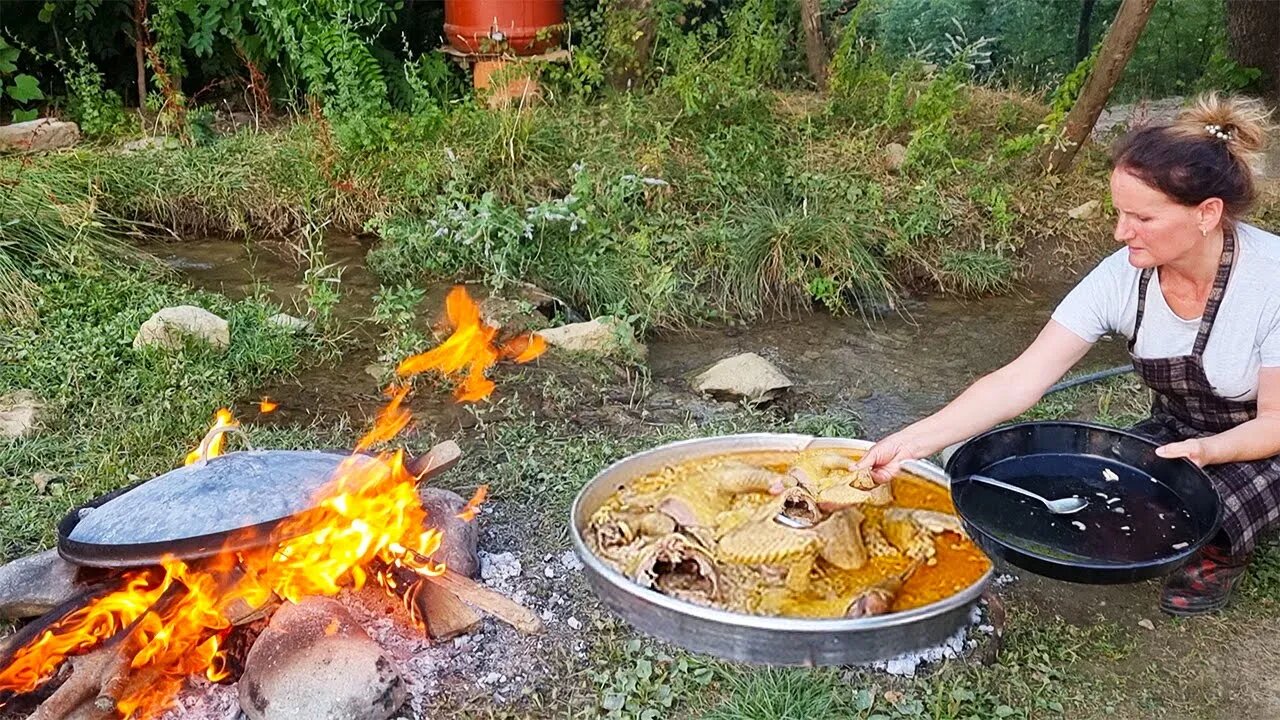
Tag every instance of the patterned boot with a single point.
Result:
(1204, 584)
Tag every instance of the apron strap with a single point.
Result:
(1219, 289)
(1143, 280)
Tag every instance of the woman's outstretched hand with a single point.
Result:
(885, 458)
(1193, 450)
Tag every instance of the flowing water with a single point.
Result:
(889, 371)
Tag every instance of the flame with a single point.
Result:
(471, 346)
(368, 523)
(222, 419)
(267, 405)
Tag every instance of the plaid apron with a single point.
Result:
(1186, 406)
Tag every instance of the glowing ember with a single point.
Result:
(267, 405)
(368, 523)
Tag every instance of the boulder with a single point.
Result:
(38, 135)
(34, 585)
(513, 316)
(458, 548)
(291, 323)
(747, 376)
(314, 662)
(895, 156)
(19, 414)
(600, 336)
(168, 327)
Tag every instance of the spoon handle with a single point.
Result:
(1007, 486)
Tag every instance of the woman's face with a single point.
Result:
(1155, 227)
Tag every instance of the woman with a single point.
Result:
(1197, 292)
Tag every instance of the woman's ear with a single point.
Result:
(1209, 214)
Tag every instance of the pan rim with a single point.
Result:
(1139, 569)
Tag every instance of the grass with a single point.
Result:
(115, 414)
(670, 209)
(49, 227)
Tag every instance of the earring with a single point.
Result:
(1204, 233)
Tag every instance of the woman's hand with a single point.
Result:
(1193, 450)
(885, 458)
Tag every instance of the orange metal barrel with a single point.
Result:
(488, 27)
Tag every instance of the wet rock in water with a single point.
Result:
(34, 585)
(513, 316)
(601, 336)
(38, 135)
(290, 323)
(1086, 211)
(168, 327)
(314, 662)
(895, 156)
(19, 414)
(747, 376)
(458, 548)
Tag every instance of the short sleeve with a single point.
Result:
(1092, 308)
(1269, 350)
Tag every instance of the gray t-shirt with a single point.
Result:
(1246, 332)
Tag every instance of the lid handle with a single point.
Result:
(206, 444)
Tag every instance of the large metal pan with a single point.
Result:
(228, 503)
(754, 638)
(1147, 514)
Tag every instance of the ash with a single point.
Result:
(957, 645)
(206, 701)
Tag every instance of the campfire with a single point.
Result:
(127, 645)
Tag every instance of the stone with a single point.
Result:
(895, 156)
(513, 316)
(155, 142)
(600, 336)
(314, 662)
(461, 538)
(41, 479)
(1087, 211)
(39, 135)
(19, 414)
(1146, 624)
(34, 585)
(291, 323)
(168, 327)
(747, 376)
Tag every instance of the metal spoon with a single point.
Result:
(1065, 506)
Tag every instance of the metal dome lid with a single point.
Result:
(227, 502)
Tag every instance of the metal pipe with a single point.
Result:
(1091, 377)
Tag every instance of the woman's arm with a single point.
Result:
(999, 396)
(1253, 440)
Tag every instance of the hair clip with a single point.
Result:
(1218, 132)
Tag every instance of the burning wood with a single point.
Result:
(131, 650)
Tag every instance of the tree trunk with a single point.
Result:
(632, 16)
(1253, 32)
(815, 43)
(1114, 54)
(1082, 32)
(140, 49)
